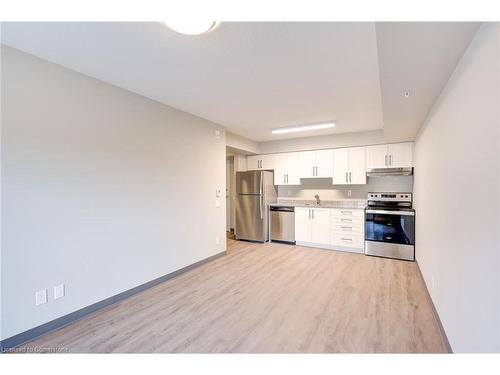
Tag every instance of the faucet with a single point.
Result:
(317, 199)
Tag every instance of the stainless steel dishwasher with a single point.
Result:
(283, 224)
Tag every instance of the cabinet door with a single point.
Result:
(324, 163)
(267, 161)
(279, 169)
(376, 156)
(302, 224)
(401, 155)
(253, 162)
(292, 168)
(357, 165)
(307, 164)
(340, 166)
(320, 229)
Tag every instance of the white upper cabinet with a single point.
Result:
(349, 166)
(316, 164)
(394, 155)
(307, 164)
(376, 157)
(324, 163)
(260, 162)
(400, 155)
(286, 169)
(340, 166)
(357, 165)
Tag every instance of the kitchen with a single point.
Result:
(378, 220)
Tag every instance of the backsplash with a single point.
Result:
(326, 191)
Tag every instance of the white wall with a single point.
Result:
(103, 189)
(324, 141)
(457, 199)
(241, 143)
(326, 191)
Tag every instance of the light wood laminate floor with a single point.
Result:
(268, 298)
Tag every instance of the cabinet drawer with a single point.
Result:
(348, 212)
(348, 220)
(347, 240)
(347, 228)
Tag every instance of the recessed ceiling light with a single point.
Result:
(301, 128)
(191, 27)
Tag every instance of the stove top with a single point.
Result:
(390, 201)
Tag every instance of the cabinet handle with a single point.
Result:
(385, 160)
(350, 177)
(346, 174)
(346, 220)
(287, 178)
(346, 239)
(390, 160)
(346, 212)
(312, 213)
(346, 228)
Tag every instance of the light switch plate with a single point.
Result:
(59, 291)
(217, 203)
(41, 297)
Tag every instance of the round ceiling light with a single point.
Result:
(191, 27)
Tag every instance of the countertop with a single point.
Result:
(340, 203)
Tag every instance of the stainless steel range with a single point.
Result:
(390, 226)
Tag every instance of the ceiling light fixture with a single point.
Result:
(191, 27)
(301, 128)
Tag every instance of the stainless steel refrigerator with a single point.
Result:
(254, 192)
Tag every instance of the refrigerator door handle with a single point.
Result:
(261, 203)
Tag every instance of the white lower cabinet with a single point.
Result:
(347, 229)
(302, 224)
(312, 225)
(330, 228)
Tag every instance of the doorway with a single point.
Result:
(229, 193)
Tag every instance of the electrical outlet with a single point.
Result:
(59, 291)
(41, 297)
(349, 193)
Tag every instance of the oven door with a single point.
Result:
(390, 226)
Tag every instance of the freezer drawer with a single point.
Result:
(283, 224)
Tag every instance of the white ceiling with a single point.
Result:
(251, 77)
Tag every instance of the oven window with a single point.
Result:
(398, 229)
